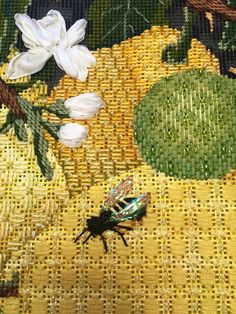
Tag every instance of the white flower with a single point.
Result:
(72, 134)
(84, 106)
(46, 38)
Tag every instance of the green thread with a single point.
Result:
(228, 40)
(58, 109)
(34, 121)
(37, 125)
(20, 130)
(8, 124)
(51, 127)
(8, 29)
(116, 20)
(41, 149)
(47, 73)
(177, 53)
(186, 125)
(19, 87)
(9, 288)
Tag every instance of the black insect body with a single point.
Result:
(117, 209)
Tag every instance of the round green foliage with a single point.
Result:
(186, 125)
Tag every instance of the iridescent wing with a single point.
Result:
(119, 192)
(133, 209)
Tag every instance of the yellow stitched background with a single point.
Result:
(122, 76)
(181, 257)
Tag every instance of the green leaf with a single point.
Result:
(228, 40)
(51, 127)
(177, 53)
(8, 124)
(20, 130)
(58, 109)
(30, 111)
(41, 149)
(34, 121)
(21, 86)
(48, 72)
(8, 29)
(116, 20)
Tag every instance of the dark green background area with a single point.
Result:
(112, 21)
(188, 130)
(121, 19)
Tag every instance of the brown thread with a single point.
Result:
(217, 7)
(10, 288)
(9, 292)
(8, 96)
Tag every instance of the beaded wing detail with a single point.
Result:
(117, 208)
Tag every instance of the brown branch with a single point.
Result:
(8, 96)
(217, 7)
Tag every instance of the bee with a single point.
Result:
(117, 208)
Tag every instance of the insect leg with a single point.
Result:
(104, 243)
(86, 240)
(124, 227)
(79, 236)
(121, 235)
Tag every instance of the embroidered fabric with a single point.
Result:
(181, 256)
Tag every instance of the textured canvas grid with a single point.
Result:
(28, 202)
(122, 77)
(181, 257)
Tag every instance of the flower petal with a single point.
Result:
(90, 100)
(27, 63)
(74, 61)
(46, 32)
(84, 55)
(84, 106)
(55, 25)
(26, 26)
(72, 134)
(76, 33)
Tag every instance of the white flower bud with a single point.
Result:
(72, 134)
(84, 106)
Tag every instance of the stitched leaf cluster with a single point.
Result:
(228, 40)
(37, 125)
(115, 20)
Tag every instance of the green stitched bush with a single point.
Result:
(186, 125)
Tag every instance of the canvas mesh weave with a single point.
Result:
(181, 257)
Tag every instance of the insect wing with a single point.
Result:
(133, 209)
(119, 192)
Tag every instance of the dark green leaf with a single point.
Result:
(228, 40)
(116, 20)
(28, 109)
(51, 127)
(8, 124)
(41, 149)
(58, 109)
(48, 74)
(21, 86)
(20, 130)
(177, 53)
(8, 29)
(34, 121)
